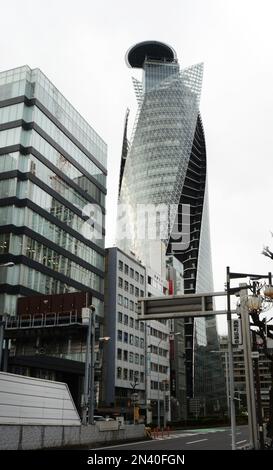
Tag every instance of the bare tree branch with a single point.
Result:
(267, 252)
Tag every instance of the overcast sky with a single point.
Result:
(81, 46)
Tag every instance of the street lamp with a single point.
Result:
(88, 318)
(254, 303)
(104, 338)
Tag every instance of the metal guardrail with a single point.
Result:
(42, 320)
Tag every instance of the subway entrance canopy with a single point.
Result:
(179, 306)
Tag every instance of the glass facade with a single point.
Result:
(34, 139)
(21, 217)
(166, 164)
(24, 81)
(52, 168)
(161, 146)
(39, 252)
(29, 163)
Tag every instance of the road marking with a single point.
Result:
(174, 436)
(200, 440)
(240, 442)
(182, 435)
(121, 445)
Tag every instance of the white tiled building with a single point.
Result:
(137, 356)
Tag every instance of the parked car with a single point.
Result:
(99, 418)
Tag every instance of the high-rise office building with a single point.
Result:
(52, 206)
(136, 360)
(52, 171)
(164, 187)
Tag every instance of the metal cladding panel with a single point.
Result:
(26, 400)
(56, 303)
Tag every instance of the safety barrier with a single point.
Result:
(160, 432)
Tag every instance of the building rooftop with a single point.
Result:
(153, 50)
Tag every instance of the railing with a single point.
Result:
(42, 320)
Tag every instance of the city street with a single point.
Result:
(193, 439)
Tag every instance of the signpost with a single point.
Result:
(179, 306)
(192, 305)
(201, 305)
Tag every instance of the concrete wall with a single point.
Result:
(23, 437)
(27, 400)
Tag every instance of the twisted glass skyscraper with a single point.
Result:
(158, 159)
(163, 183)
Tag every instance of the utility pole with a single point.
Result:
(92, 368)
(165, 382)
(258, 392)
(231, 369)
(250, 391)
(134, 397)
(147, 374)
(87, 372)
(88, 405)
(227, 381)
(158, 395)
(2, 327)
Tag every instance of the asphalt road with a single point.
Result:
(194, 439)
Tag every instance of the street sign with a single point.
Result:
(236, 331)
(179, 306)
(176, 304)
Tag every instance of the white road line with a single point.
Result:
(240, 442)
(200, 440)
(122, 445)
(172, 436)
